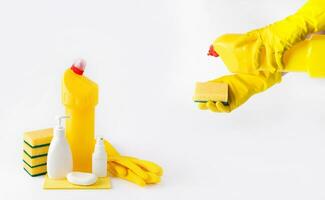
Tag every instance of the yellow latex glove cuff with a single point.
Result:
(241, 88)
(140, 172)
(269, 43)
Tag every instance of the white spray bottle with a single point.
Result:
(99, 159)
(59, 157)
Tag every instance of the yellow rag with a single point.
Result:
(56, 184)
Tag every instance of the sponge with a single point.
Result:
(211, 91)
(34, 162)
(36, 145)
(35, 171)
(38, 138)
(35, 152)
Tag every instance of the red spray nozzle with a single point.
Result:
(212, 52)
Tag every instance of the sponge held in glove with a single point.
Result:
(211, 91)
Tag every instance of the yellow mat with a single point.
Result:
(63, 184)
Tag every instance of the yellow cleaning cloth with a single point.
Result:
(102, 183)
(35, 171)
(33, 162)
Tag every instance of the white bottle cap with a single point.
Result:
(80, 64)
(99, 144)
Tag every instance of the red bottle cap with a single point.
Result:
(79, 66)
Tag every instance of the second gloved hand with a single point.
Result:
(241, 88)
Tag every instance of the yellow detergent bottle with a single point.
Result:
(305, 56)
(80, 97)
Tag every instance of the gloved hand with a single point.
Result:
(241, 88)
(272, 41)
(140, 172)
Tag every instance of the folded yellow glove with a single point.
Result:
(271, 41)
(140, 172)
(240, 88)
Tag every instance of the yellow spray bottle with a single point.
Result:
(306, 56)
(80, 97)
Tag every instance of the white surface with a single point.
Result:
(81, 178)
(146, 56)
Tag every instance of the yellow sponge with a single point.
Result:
(211, 91)
(35, 171)
(38, 138)
(34, 162)
(37, 151)
(36, 145)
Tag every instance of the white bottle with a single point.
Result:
(99, 160)
(59, 157)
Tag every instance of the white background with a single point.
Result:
(146, 56)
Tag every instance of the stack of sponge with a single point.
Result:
(36, 145)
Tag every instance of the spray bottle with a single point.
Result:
(99, 164)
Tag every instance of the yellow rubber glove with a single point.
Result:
(273, 40)
(241, 88)
(140, 172)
